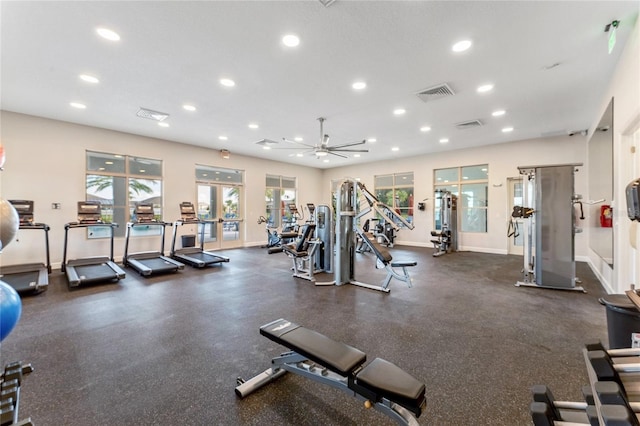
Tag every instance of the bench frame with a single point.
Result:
(301, 365)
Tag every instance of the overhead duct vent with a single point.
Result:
(151, 114)
(326, 3)
(468, 124)
(436, 92)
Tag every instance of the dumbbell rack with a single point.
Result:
(10, 382)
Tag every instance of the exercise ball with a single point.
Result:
(10, 309)
(9, 223)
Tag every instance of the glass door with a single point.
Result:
(515, 229)
(219, 206)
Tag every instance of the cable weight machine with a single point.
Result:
(550, 226)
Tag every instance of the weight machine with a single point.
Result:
(446, 240)
(549, 226)
(347, 228)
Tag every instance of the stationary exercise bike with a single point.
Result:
(289, 231)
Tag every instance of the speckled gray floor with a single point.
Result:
(167, 350)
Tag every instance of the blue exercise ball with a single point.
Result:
(10, 309)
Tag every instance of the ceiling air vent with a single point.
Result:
(468, 124)
(151, 114)
(326, 3)
(436, 92)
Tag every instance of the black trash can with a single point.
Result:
(623, 318)
(188, 240)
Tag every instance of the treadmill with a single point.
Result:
(28, 278)
(150, 262)
(194, 256)
(90, 270)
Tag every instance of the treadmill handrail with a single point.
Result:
(71, 225)
(131, 225)
(46, 228)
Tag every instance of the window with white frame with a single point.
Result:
(396, 191)
(470, 184)
(279, 194)
(119, 182)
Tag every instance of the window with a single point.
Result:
(119, 182)
(280, 192)
(396, 191)
(471, 185)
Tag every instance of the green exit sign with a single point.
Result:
(612, 34)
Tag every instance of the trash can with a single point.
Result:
(188, 240)
(623, 319)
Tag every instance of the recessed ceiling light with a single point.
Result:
(108, 34)
(356, 155)
(425, 128)
(163, 124)
(399, 111)
(359, 85)
(266, 147)
(444, 140)
(78, 105)
(291, 40)
(253, 126)
(485, 88)
(507, 130)
(189, 107)
(461, 46)
(298, 139)
(498, 113)
(89, 78)
(299, 154)
(325, 161)
(223, 138)
(227, 82)
(372, 140)
(395, 148)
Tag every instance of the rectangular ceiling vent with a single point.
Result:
(151, 114)
(436, 92)
(468, 124)
(326, 3)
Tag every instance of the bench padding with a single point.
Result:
(337, 357)
(390, 381)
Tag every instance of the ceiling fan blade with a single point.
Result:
(337, 155)
(298, 143)
(347, 150)
(344, 145)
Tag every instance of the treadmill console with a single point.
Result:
(89, 212)
(25, 210)
(292, 208)
(144, 213)
(188, 212)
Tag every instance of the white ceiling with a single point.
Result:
(172, 53)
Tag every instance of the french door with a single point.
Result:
(219, 206)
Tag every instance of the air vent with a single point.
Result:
(468, 124)
(151, 114)
(436, 92)
(326, 3)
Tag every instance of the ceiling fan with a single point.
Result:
(321, 149)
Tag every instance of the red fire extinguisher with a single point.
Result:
(606, 216)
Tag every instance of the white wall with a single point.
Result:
(503, 160)
(625, 89)
(46, 163)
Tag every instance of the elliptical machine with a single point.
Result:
(446, 240)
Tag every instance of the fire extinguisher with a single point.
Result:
(606, 216)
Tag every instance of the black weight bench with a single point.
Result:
(380, 384)
(385, 260)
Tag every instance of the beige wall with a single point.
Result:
(46, 163)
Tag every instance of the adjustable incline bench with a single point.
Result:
(385, 259)
(381, 384)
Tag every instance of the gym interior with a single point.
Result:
(172, 267)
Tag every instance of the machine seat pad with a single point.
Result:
(401, 263)
(380, 252)
(288, 235)
(336, 356)
(390, 381)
